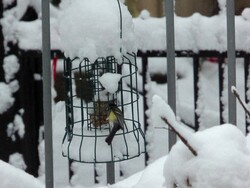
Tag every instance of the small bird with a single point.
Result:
(116, 121)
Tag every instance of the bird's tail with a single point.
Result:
(111, 135)
(109, 138)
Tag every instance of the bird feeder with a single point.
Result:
(92, 83)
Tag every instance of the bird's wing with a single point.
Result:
(120, 117)
(121, 121)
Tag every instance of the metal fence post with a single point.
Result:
(171, 63)
(196, 67)
(231, 61)
(47, 94)
(1, 44)
(110, 173)
(145, 105)
(221, 60)
(246, 72)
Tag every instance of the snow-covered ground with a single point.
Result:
(13, 177)
(222, 159)
(222, 151)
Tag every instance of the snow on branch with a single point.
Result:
(164, 113)
(243, 104)
(183, 139)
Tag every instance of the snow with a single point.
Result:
(85, 38)
(14, 86)
(8, 23)
(29, 34)
(7, 2)
(10, 66)
(6, 98)
(21, 8)
(110, 81)
(16, 159)
(13, 177)
(37, 76)
(28, 30)
(223, 151)
(151, 177)
(17, 126)
(190, 33)
(20, 127)
(196, 32)
(246, 13)
(144, 14)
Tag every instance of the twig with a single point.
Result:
(243, 104)
(164, 128)
(184, 140)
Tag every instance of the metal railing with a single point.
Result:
(145, 56)
(196, 58)
(171, 54)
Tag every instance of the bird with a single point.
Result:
(116, 121)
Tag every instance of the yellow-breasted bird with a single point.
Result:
(116, 121)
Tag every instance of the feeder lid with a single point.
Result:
(93, 29)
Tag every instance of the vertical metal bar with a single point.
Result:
(246, 69)
(231, 61)
(1, 44)
(171, 63)
(95, 174)
(145, 105)
(71, 173)
(110, 172)
(196, 67)
(49, 175)
(221, 81)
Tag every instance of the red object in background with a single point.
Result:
(213, 59)
(54, 64)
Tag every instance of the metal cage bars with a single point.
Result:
(93, 116)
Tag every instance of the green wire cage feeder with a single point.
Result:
(91, 85)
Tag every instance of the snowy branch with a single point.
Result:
(184, 140)
(243, 104)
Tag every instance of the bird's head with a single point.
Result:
(112, 105)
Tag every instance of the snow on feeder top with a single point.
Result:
(93, 29)
(100, 70)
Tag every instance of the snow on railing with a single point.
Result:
(194, 33)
